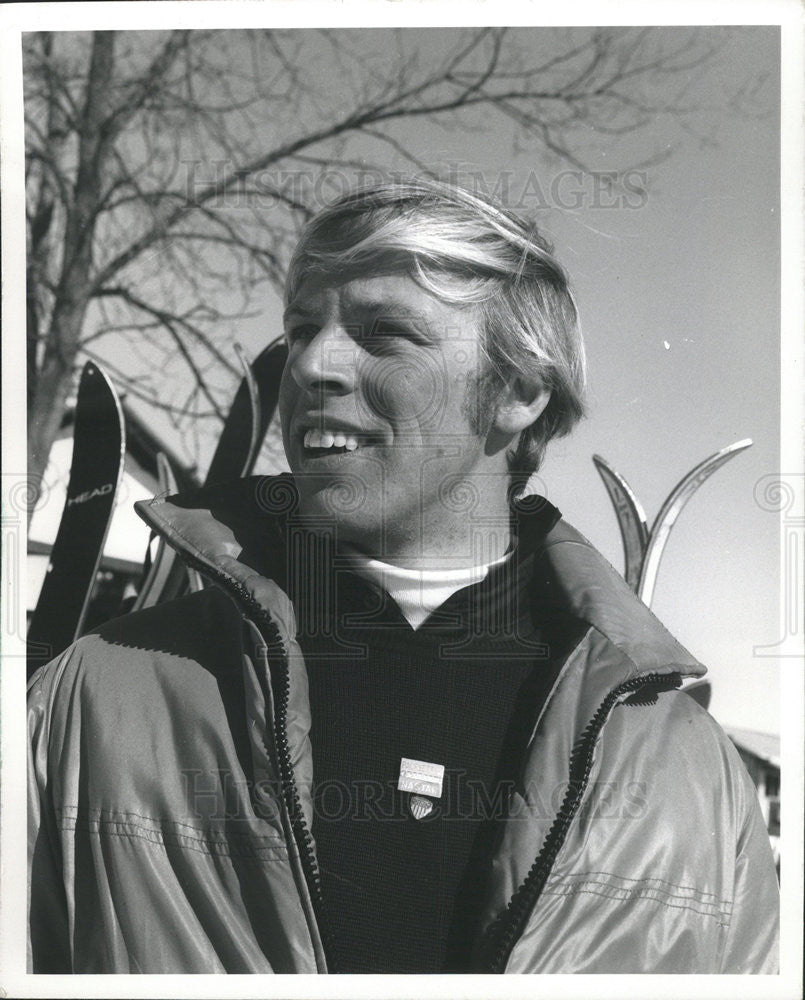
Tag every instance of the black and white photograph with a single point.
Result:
(402, 500)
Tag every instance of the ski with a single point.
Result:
(249, 416)
(157, 570)
(631, 520)
(671, 510)
(99, 447)
(643, 547)
(235, 455)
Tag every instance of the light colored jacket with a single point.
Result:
(171, 778)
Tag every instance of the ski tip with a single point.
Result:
(739, 445)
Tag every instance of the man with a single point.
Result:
(419, 724)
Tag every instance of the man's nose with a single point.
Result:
(325, 362)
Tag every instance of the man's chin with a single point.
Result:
(344, 501)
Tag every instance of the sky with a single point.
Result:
(678, 289)
(679, 298)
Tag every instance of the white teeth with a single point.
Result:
(325, 439)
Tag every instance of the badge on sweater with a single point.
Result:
(424, 781)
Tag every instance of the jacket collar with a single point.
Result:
(236, 533)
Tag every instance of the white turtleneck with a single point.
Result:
(419, 592)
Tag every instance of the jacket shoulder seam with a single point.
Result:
(249, 846)
(646, 892)
(644, 881)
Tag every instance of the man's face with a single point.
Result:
(379, 409)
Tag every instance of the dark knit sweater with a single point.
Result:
(401, 894)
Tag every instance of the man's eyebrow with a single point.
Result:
(388, 309)
(380, 308)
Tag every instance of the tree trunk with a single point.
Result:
(53, 385)
(54, 377)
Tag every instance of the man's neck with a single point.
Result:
(460, 543)
(479, 551)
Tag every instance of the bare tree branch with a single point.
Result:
(168, 172)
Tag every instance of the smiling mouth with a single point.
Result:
(317, 442)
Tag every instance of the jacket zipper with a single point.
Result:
(503, 933)
(303, 836)
(304, 839)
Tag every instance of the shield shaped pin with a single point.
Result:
(420, 806)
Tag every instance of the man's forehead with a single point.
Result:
(389, 294)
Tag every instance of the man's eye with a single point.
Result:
(300, 331)
(384, 329)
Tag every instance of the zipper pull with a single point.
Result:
(647, 693)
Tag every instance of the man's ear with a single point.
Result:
(519, 404)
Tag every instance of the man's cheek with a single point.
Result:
(406, 392)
